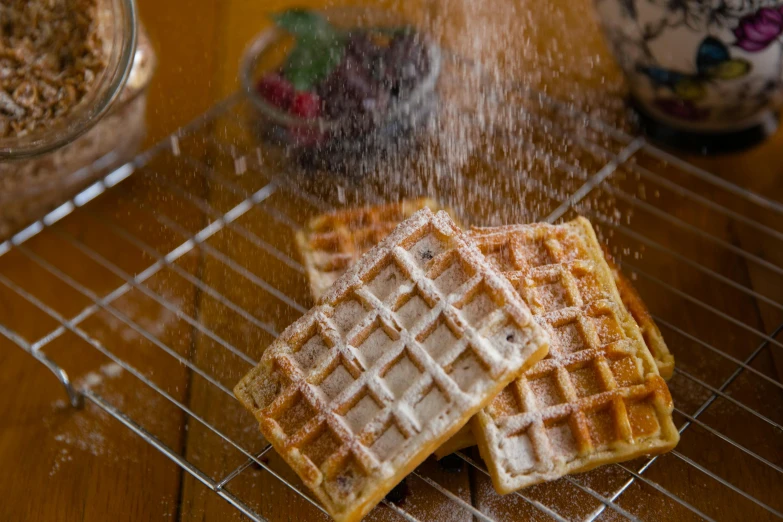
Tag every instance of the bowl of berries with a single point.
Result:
(338, 86)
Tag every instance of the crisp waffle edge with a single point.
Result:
(308, 260)
(653, 338)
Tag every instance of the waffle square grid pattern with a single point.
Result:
(332, 242)
(597, 397)
(411, 342)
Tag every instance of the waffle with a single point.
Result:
(598, 397)
(650, 332)
(332, 242)
(413, 340)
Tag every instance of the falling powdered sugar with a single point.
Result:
(155, 324)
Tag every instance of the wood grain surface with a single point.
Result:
(60, 464)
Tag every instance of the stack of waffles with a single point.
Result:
(426, 339)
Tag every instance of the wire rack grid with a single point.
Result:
(206, 275)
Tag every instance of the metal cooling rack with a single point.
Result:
(207, 275)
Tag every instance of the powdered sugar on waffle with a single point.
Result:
(443, 223)
(426, 249)
(416, 399)
(330, 243)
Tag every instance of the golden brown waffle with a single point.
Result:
(650, 332)
(405, 347)
(597, 397)
(332, 242)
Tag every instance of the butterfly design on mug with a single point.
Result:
(713, 62)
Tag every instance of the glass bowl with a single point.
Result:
(339, 143)
(32, 185)
(118, 29)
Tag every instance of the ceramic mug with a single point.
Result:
(705, 70)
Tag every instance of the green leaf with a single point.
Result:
(305, 24)
(310, 63)
(319, 47)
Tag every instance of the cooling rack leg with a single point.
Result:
(76, 398)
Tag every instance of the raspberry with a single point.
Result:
(276, 90)
(306, 104)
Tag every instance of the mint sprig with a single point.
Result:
(319, 47)
(305, 24)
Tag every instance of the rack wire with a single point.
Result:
(207, 275)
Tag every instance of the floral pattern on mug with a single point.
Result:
(703, 62)
(713, 63)
(757, 30)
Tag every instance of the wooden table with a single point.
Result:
(61, 464)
